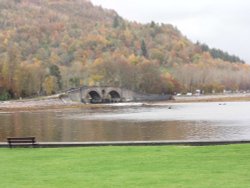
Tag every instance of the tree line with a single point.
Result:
(217, 53)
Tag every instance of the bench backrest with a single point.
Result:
(31, 139)
(21, 141)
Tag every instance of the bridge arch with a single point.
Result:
(94, 97)
(114, 96)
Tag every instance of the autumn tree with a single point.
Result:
(50, 85)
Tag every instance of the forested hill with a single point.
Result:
(48, 46)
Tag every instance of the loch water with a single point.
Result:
(132, 122)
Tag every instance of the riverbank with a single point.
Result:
(56, 102)
(214, 98)
(151, 166)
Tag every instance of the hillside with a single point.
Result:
(49, 45)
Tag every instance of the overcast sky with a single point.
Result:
(223, 24)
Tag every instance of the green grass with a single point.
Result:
(161, 166)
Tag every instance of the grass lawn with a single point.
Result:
(156, 166)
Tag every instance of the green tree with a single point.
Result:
(152, 24)
(116, 22)
(4, 95)
(55, 71)
(144, 49)
(74, 82)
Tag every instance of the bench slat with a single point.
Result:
(21, 141)
(21, 138)
(11, 140)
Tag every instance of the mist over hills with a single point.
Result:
(49, 45)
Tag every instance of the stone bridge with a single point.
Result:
(96, 94)
(100, 94)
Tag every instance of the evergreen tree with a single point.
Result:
(144, 49)
(116, 22)
(54, 71)
(152, 24)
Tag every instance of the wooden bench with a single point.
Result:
(21, 141)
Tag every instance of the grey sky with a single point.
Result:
(223, 24)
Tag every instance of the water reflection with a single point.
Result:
(200, 121)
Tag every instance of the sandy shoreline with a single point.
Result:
(54, 102)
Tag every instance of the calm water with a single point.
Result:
(131, 122)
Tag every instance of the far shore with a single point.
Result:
(55, 102)
(233, 97)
